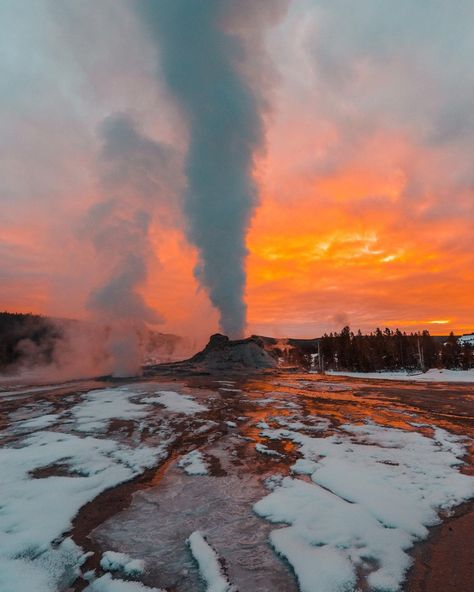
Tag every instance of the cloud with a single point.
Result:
(352, 124)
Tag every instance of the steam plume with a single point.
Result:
(138, 175)
(205, 50)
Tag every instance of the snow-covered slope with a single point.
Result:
(432, 375)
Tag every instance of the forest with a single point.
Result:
(22, 333)
(388, 350)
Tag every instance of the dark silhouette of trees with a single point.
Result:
(387, 350)
(20, 333)
(451, 353)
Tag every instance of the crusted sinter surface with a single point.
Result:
(221, 353)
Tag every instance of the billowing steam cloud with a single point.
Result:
(138, 176)
(208, 54)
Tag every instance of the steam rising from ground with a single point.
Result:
(57, 350)
(208, 53)
(138, 175)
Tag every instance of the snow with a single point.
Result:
(303, 466)
(101, 406)
(466, 339)
(356, 501)
(21, 575)
(53, 569)
(107, 584)
(37, 423)
(374, 492)
(193, 463)
(121, 562)
(265, 450)
(209, 565)
(176, 402)
(37, 511)
(316, 568)
(432, 375)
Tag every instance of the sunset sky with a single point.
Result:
(365, 181)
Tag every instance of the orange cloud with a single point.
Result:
(349, 241)
(367, 192)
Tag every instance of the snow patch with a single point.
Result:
(265, 450)
(193, 463)
(209, 565)
(52, 570)
(37, 511)
(101, 406)
(375, 491)
(37, 423)
(107, 584)
(176, 402)
(121, 562)
(432, 375)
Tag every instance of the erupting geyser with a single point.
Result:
(209, 52)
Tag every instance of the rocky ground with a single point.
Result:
(294, 481)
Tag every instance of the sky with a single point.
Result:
(360, 176)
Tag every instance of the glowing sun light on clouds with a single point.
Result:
(366, 184)
(367, 193)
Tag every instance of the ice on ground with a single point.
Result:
(100, 407)
(231, 424)
(209, 565)
(193, 463)
(107, 584)
(374, 492)
(432, 375)
(37, 511)
(175, 402)
(121, 562)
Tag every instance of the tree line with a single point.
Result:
(381, 350)
(393, 350)
(19, 333)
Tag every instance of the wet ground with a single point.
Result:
(151, 517)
